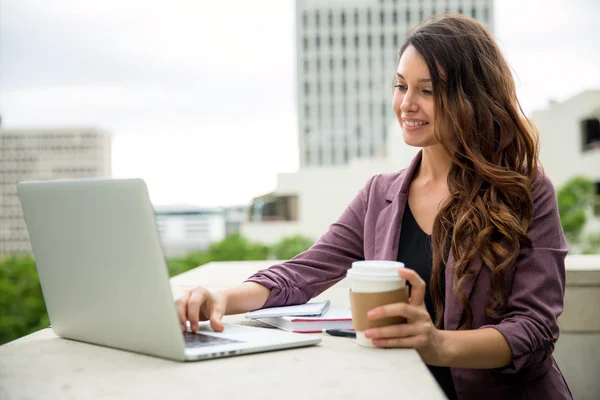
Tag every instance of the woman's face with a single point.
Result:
(413, 100)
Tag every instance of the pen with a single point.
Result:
(340, 332)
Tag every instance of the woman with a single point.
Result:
(472, 216)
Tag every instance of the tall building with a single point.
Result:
(42, 154)
(347, 53)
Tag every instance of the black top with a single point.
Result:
(415, 253)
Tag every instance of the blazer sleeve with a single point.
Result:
(538, 286)
(325, 263)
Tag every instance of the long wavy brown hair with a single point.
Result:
(494, 153)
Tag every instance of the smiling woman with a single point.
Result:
(473, 218)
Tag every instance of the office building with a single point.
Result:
(347, 53)
(42, 154)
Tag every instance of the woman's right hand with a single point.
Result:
(199, 304)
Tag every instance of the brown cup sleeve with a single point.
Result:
(362, 303)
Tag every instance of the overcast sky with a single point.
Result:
(200, 95)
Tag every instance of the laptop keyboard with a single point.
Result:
(200, 340)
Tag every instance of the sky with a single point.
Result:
(199, 96)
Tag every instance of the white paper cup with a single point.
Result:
(374, 283)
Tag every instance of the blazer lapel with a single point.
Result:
(453, 307)
(389, 220)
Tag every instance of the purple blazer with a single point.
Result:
(369, 228)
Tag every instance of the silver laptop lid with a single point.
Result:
(100, 263)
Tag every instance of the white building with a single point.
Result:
(347, 51)
(40, 154)
(570, 145)
(184, 229)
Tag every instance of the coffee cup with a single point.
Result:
(374, 283)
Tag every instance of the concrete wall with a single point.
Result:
(577, 351)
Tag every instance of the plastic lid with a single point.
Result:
(389, 275)
(377, 264)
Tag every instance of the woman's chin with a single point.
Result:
(418, 141)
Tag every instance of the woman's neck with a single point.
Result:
(435, 165)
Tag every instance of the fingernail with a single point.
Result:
(371, 314)
(194, 327)
(367, 333)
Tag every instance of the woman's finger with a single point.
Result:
(392, 331)
(196, 301)
(418, 286)
(409, 311)
(412, 342)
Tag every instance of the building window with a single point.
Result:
(381, 17)
(356, 41)
(318, 42)
(343, 42)
(343, 19)
(317, 18)
(395, 17)
(331, 64)
(355, 16)
(330, 41)
(407, 17)
(304, 19)
(485, 14)
(382, 41)
(369, 40)
(474, 12)
(330, 18)
(590, 130)
(369, 17)
(318, 65)
(395, 40)
(305, 40)
(306, 88)
(305, 66)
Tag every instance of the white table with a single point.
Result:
(44, 366)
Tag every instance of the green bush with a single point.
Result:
(291, 246)
(22, 308)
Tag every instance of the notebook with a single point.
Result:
(309, 309)
(335, 318)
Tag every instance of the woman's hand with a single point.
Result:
(418, 332)
(199, 304)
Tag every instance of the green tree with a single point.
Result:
(575, 198)
(291, 246)
(22, 307)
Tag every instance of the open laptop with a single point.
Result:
(105, 280)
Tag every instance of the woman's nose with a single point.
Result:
(408, 103)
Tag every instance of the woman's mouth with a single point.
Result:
(413, 124)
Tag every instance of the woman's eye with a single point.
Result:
(401, 88)
(428, 92)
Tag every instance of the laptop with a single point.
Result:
(105, 280)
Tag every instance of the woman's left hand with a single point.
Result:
(419, 331)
